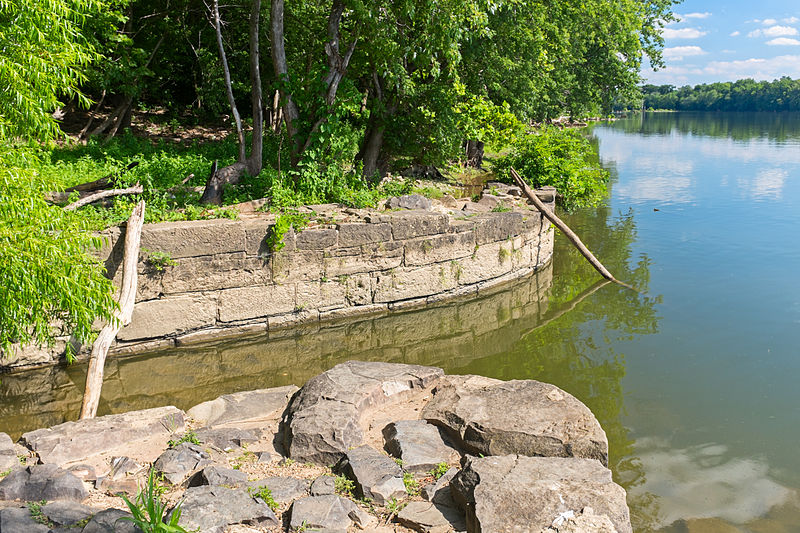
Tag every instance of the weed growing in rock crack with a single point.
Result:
(149, 512)
(35, 508)
(158, 260)
(394, 507)
(5, 473)
(398, 461)
(344, 486)
(190, 436)
(412, 485)
(288, 462)
(439, 470)
(264, 494)
(500, 208)
(303, 527)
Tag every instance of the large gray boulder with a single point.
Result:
(76, 441)
(428, 517)
(418, 443)
(250, 406)
(42, 482)
(211, 509)
(19, 520)
(283, 489)
(226, 438)
(218, 475)
(110, 521)
(323, 419)
(329, 513)
(377, 477)
(8, 455)
(493, 417)
(67, 514)
(178, 463)
(517, 493)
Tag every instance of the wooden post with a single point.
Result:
(573, 238)
(127, 298)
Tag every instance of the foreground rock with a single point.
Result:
(264, 404)
(212, 509)
(19, 520)
(178, 463)
(493, 417)
(418, 444)
(76, 441)
(8, 455)
(67, 514)
(516, 493)
(42, 482)
(377, 477)
(329, 513)
(324, 417)
(430, 517)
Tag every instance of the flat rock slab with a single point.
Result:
(377, 476)
(419, 444)
(110, 521)
(283, 489)
(218, 475)
(439, 491)
(322, 486)
(250, 406)
(211, 509)
(323, 419)
(19, 520)
(526, 417)
(517, 493)
(226, 438)
(8, 454)
(77, 441)
(329, 513)
(42, 482)
(429, 517)
(67, 514)
(176, 464)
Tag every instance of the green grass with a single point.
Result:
(265, 494)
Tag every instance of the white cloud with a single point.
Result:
(683, 33)
(735, 34)
(756, 68)
(768, 22)
(774, 31)
(679, 52)
(784, 41)
(696, 15)
(790, 20)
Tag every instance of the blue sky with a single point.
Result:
(717, 40)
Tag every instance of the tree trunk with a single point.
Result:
(228, 85)
(474, 153)
(255, 161)
(215, 185)
(370, 153)
(127, 298)
(278, 47)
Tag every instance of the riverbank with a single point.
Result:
(470, 454)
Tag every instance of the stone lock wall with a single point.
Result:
(226, 281)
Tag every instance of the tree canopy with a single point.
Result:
(742, 95)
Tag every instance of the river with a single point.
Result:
(694, 378)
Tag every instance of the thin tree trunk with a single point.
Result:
(255, 161)
(278, 48)
(228, 85)
(127, 298)
(573, 238)
(88, 125)
(136, 189)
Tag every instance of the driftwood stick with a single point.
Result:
(573, 238)
(127, 298)
(101, 183)
(136, 189)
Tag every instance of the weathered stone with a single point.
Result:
(283, 489)
(19, 520)
(110, 521)
(377, 477)
(364, 259)
(217, 475)
(8, 455)
(429, 517)
(409, 201)
(323, 485)
(67, 513)
(525, 417)
(257, 405)
(490, 201)
(76, 441)
(323, 417)
(83, 472)
(173, 315)
(121, 467)
(176, 464)
(255, 236)
(354, 234)
(226, 438)
(517, 493)
(263, 457)
(439, 248)
(211, 509)
(189, 239)
(213, 272)
(316, 239)
(407, 225)
(246, 303)
(300, 265)
(497, 226)
(405, 283)
(586, 521)
(419, 444)
(439, 491)
(329, 513)
(42, 482)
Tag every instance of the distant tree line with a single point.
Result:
(742, 95)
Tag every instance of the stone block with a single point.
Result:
(245, 303)
(438, 248)
(405, 283)
(315, 239)
(300, 265)
(407, 225)
(377, 476)
(487, 261)
(256, 231)
(366, 258)
(198, 237)
(157, 318)
(493, 227)
(213, 272)
(354, 234)
(264, 404)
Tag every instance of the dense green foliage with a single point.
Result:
(149, 512)
(561, 159)
(742, 95)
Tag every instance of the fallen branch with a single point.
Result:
(573, 238)
(127, 298)
(101, 183)
(136, 189)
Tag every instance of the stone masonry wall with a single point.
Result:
(226, 280)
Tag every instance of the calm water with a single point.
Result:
(695, 379)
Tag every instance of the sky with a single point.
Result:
(719, 40)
